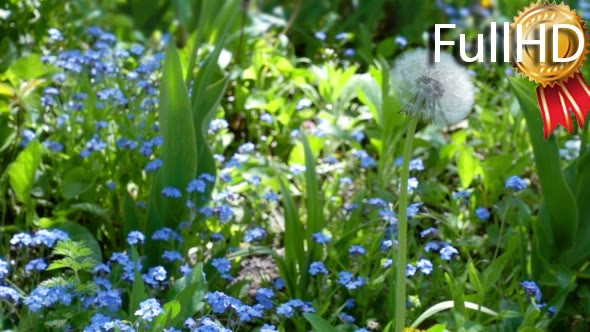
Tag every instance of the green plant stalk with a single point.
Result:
(400, 287)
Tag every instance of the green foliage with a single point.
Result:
(21, 172)
(76, 256)
(179, 153)
(313, 118)
(560, 247)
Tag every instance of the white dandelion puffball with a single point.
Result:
(441, 92)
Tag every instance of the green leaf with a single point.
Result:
(93, 209)
(294, 239)
(21, 172)
(558, 197)
(467, 165)
(493, 272)
(7, 133)
(206, 93)
(437, 328)
(475, 279)
(318, 323)
(190, 291)
(314, 202)
(581, 250)
(28, 67)
(77, 233)
(130, 215)
(179, 151)
(77, 181)
(138, 292)
(203, 110)
(171, 311)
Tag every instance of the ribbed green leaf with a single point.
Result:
(318, 323)
(203, 110)
(190, 291)
(129, 213)
(294, 244)
(207, 94)
(21, 173)
(558, 197)
(138, 292)
(314, 202)
(154, 221)
(179, 152)
(581, 249)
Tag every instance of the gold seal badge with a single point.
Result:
(549, 73)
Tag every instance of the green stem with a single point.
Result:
(400, 287)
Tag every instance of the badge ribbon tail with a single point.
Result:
(558, 100)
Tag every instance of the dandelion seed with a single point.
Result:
(440, 92)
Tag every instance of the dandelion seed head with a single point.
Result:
(441, 92)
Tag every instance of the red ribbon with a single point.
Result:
(558, 100)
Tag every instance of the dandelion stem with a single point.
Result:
(400, 288)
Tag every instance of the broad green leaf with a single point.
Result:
(203, 110)
(558, 197)
(294, 239)
(138, 292)
(77, 233)
(7, 133)
(77, 181)
(171, 311)
(92, 208)
(190, 291)
(318, 323)
(179, 151)
(6, 90)
(314, 200)
(437, 328)
(581, 249)
(21, 173)
(154, 221)
(28, 67)
(493, 272)
(130, 215)
(467, 165)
